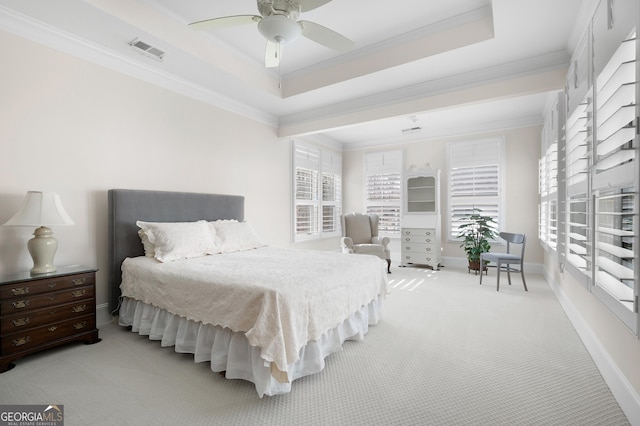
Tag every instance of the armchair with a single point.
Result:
(360, 236)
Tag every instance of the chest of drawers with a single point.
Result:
(420, 246)
(42, 311)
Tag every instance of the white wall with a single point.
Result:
(520, 183)
(70, 126)
(612, 345)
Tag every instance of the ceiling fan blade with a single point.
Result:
(307, 5)
(225, 21)
(272, 54)
(325, 36)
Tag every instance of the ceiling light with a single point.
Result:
(279, 29)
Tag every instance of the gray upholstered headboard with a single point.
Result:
(127, 206)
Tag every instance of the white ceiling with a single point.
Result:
(407, 53)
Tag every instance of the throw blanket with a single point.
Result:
(280, 298)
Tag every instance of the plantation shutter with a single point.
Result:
(317, 187)
(383, 180)
(307, 166)
(331, 192)
(474, 180)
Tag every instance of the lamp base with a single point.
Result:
(42, 248)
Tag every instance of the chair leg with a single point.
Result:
(523, 281)
(509, 273)
(388, 266)
(498, 278)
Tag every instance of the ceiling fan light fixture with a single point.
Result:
(279, 29)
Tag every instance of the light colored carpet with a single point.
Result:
(447, 352)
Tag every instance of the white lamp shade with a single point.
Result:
(40, 209)
(279, 29)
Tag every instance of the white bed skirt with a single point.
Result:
(230, 351)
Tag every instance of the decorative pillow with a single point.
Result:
(233, 236)
(179, 240)
(149, 249)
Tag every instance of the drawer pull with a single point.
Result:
(51, 298)
(407, 248)
(78, 293)
(53, 328)
(80, 325)
(53, 284)
(19, 304)
(428, 240)
(79, 281)
(21, 341)
(18, 291)
(79, 308)
(19, 322)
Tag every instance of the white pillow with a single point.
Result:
(149, 248)
(232, 235)
(179, 240)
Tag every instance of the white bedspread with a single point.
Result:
(279, 298)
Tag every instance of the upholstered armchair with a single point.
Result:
(360, 236)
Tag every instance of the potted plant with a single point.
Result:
(476, 232)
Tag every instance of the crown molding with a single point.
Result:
(459, 131)
(32, 29)
(522, 68)
(408, 37)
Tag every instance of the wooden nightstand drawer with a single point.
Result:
(54, 298)
(41, 311)
(25, 340)
(24, 289)
(35, 318)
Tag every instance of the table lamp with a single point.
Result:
(41, 209)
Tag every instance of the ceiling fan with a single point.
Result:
(278, 23)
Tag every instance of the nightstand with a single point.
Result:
(41, 311)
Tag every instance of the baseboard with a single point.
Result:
(624, 393)
(461, 262)
(103, 316)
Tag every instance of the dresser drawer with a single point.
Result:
(21, 304)
(419, 248)
(408, 232)
(24, 289)
(419, 235)
(27, 339)
(35, 318)
(420, 258)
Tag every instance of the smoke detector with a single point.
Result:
(147, 49)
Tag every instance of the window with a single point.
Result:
(598, 179)
(317, 187)
(383, 189)
(474, 181)
(548, 175)
(615, 183)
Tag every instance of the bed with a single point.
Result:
(263, 314)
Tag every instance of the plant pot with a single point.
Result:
(474, 265)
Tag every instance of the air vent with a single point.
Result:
(147, 50)
(411, 130)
